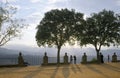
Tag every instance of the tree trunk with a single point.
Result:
(98, 57)
(98, 48)
(58, 55)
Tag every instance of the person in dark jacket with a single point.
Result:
(71, 58)
(75, 59)
(101, 58)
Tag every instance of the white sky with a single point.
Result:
(33, 11)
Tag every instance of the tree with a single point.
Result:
(10, 27)
(57, 28)
(101, 29)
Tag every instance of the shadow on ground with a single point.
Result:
(55, 72)
(97, 71)
(34, 73)
(78, 68)
(66, 71)
(110, 67)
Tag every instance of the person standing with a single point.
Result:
(75, 59)
(71, 58)
(101, 58)
(108, 58)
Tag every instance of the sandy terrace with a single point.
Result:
(108, 70)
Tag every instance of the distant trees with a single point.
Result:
(10, 27)
(57, 28)
(101, 29)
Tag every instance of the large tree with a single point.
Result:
(10, 27)
(57, 28)
(101, 29)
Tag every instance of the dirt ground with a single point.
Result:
(107, 70)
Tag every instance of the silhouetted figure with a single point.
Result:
(20, 59)
(45, 59)
(101, 58)
(108, 58)
(71, 58)
(114, 58)
(84, 58)
(75, 59)
(65, 59)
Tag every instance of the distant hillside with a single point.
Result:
(4, 51)
(53, 51)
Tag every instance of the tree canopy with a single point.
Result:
(57, 28)
(61, 26)
(101, 29)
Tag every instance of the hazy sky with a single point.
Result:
(33, 11)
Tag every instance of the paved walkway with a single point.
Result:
(111, 70)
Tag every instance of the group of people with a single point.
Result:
(73, 58)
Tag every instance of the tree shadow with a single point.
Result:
(116, 69)
(55, 72)
(33, 73)
(113, 66)
(66, 71)
(96, 70)
(73, 69)
(78, 68)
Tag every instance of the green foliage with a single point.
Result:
(94, 60)
(58, 28)
(61, 26)
(101, 29)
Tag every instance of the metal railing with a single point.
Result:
(7, 61)
(37, 60)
